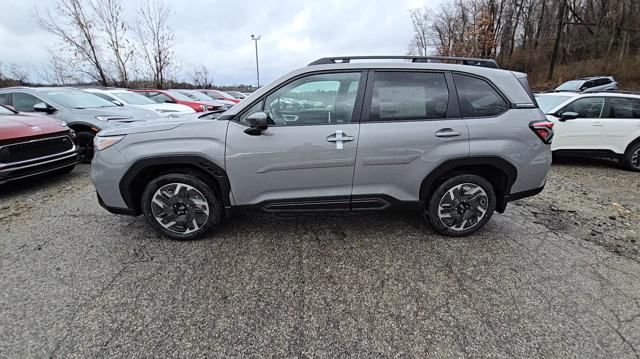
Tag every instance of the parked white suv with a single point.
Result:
(130, 98)
(602, 124)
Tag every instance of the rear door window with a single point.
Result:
(409, 96)
(621, 107)
(478, 98)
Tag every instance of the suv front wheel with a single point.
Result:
(461, 205)
(181, 206)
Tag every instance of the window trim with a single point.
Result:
(510, 105)
(357, 107)
(453, 112)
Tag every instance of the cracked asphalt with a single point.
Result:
(557, 275)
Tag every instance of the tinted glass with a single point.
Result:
(24, 102)
(158, 97)
(104, 97)
(406, 96)
(587, 107)
(477, 98)
(621, 107)
(573, 85)
(133, 98)
(77, 99)
(198, 96)
(314, 100)
(5, 99)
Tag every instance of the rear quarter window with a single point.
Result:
(478, 98)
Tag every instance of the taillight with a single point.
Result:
(543, 129)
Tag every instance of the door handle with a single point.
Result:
(339, 137)
(447, 132)
(597, 124)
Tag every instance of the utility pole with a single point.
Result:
(255, 39)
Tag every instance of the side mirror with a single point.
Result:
(258, 122)
(169, 101)
(43, 107)
(568, 116)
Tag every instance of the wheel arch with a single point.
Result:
(498, 171)
(143, 170)
(631, 144)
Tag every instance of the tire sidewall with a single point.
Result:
(215, 206)
(628, 155)
(433, 203)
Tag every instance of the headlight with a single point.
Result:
(102, 143)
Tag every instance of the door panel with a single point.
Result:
(289, 162)
(305, 159)
(585, 132)
(621, 122)
(405, 133)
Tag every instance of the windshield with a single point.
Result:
(78, 99)
(180, 96)
(132, 98)
(224, 94)
(198, 96)
(549, 102)
(5, 111)
(570, 86)
(236, 95)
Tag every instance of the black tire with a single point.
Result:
(63, 171)
(458, 207)
(631, 159)
(180, 207)
(85, 142)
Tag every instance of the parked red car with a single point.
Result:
(171, 96)
(219, 95)
(31, 145)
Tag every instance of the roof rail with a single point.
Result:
(625, 92)
(422, 59)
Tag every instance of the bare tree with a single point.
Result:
(421, 22)
(156, 40)
(201, 77)
(110, 19)
(71, 23)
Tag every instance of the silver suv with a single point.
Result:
(454, 141)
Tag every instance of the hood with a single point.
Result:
(21, 125)
(135, 114)
(160, 124)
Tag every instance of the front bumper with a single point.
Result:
(38, 166)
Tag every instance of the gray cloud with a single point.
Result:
(217, 33)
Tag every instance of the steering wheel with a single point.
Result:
(275, 115)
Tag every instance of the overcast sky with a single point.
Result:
(217, 33)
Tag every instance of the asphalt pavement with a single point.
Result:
(78, 281)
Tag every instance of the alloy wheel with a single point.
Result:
(180, 208)
(463, 206)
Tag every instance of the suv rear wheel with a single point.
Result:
(631, 159)
(181, 206)
(461, 205)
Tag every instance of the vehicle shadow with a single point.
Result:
(45, 181)
(585, 161)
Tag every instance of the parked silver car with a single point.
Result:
(83, 112)
(589, 84)
(455, 142)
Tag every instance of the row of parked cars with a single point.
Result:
(50, 129)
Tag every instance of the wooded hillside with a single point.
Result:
(552, 40)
